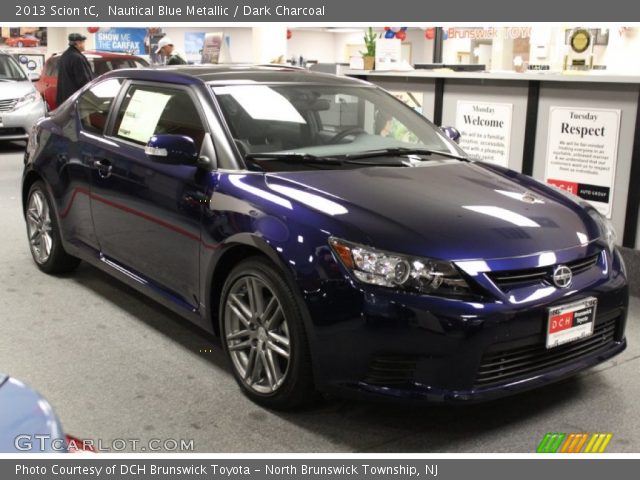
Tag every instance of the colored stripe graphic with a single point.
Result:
(555, 442)
(550, 443)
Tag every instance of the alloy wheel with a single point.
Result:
(39, 227)
(257, 334)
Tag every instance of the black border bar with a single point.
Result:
(633, 195)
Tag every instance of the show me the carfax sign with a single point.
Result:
(485, 130)
(582, 152)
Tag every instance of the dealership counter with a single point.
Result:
(529, 100)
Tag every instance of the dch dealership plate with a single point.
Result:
(571, 322)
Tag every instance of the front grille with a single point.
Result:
(391, 370)
(510, 279)
(8, 105)
(502, 366)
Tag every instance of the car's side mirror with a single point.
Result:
(172, 149)
(453, 133)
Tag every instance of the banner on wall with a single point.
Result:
(485, 130)
(126, 40)
(582, 152)
(193, 46)
(211, 48)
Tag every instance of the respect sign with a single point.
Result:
(582, 151)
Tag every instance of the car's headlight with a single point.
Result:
(606, 228)
(28, 98)
(393, 270)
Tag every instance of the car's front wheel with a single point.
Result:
(264, 336)
(44, 234)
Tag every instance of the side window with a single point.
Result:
(52, 67)
(149, 110)
(100, 67)
(94, 105)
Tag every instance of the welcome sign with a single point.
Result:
(485, 130)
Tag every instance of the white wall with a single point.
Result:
(312, 45)
(58, 38)
(622, 53)
(620, 56)
(421, 48)
(451, 47)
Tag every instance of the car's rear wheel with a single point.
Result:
(44, 235)
(264, 336)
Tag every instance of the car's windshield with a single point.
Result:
(10, 70)
(324, 121)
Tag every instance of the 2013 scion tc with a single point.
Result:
(334, 238)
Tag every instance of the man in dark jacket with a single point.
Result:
(74, 70)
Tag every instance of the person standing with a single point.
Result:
(168, 50)
(74, 70)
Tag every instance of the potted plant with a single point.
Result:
(369, 55)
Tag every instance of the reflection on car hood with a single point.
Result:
(448, 210)
(14, 89)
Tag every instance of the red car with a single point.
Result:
(22, 41)
(101, 62)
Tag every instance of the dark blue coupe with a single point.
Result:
(334, 238)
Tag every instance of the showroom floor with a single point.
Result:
(117, 366)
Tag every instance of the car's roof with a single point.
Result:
(231, 73)
(93, 54)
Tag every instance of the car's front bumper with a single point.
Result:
(386, 343)
(16, 124)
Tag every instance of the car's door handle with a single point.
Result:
(104, 168)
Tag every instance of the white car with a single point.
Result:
(20, 103)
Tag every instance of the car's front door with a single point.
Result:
(147, 214)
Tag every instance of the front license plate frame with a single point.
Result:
(570, 322)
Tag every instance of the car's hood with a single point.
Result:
(14, 89)
(450, 210)
(23, 415)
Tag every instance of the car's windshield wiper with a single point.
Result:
(385, 152)
(293, 157)
(258, 158)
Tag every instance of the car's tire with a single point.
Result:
(44, 234)
(264, 337)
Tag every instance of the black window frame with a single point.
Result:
(109, 113)
(127, 85)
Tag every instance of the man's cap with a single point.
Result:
(76, 37)
(164, 41)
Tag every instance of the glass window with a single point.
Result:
(51, 69)
(10, 69)
(148, 110)
(99, 67)
(94, 105)
(323, 120)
